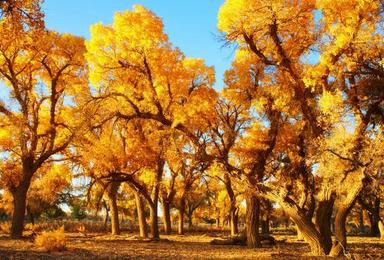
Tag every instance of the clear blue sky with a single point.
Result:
(190, 24)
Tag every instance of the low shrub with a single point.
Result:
(5, 227)
(52, 240)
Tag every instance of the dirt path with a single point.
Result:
(98, 246)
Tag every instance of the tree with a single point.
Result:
(312, 103)
(45, 75)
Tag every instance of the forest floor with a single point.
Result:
(192, 246)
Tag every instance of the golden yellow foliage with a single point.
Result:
(52, 240)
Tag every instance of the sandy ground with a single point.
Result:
(195, 246)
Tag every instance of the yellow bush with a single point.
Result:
(5, 227)
(52, 240)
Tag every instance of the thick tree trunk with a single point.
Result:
(140, 216)
(112, 200)
(115, 225)
(323, 221)
(154, 222)
(340, 245)
(167, 218)
(344, 207)
(181, 221)
(19, 195)
(307, 229)
(252, 221)
(312, 237)
(373, 210)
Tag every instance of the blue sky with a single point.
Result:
(190, 24)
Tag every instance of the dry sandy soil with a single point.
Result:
(195, 246)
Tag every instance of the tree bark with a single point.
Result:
(323, 221)
(19, 195)
(140, 216)
(154, 222)
(167, 218)
(299, 235)
(344, 207)
(312, 237)
(381, 229)
(252, 221)
(181, 221)
(106, 215)
(265, 225)
(190, 223)
(234, 221)
(361, 220)
(112, 200)
(340, 245)
(31, 216)
(306, 227)
(234, 217)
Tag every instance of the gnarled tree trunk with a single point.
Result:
(323, 221)
(252, 221)
(343, 208)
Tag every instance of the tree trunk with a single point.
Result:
(181, 221)
(374, 225)
(306, 227)
(140, 216)
(31, 217)
(19, 195)
(361, 220)
(312, 237)
(155, 200)
(265, 225)
(252, 221)
(167, 218)
(344, 207)
(234, 221)
(299, 235)
(112, 200)
(190, 224)
(381, 229)
(234, 217)
(323, 221)
(106, 215)
(154, 222)
(340, 245)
